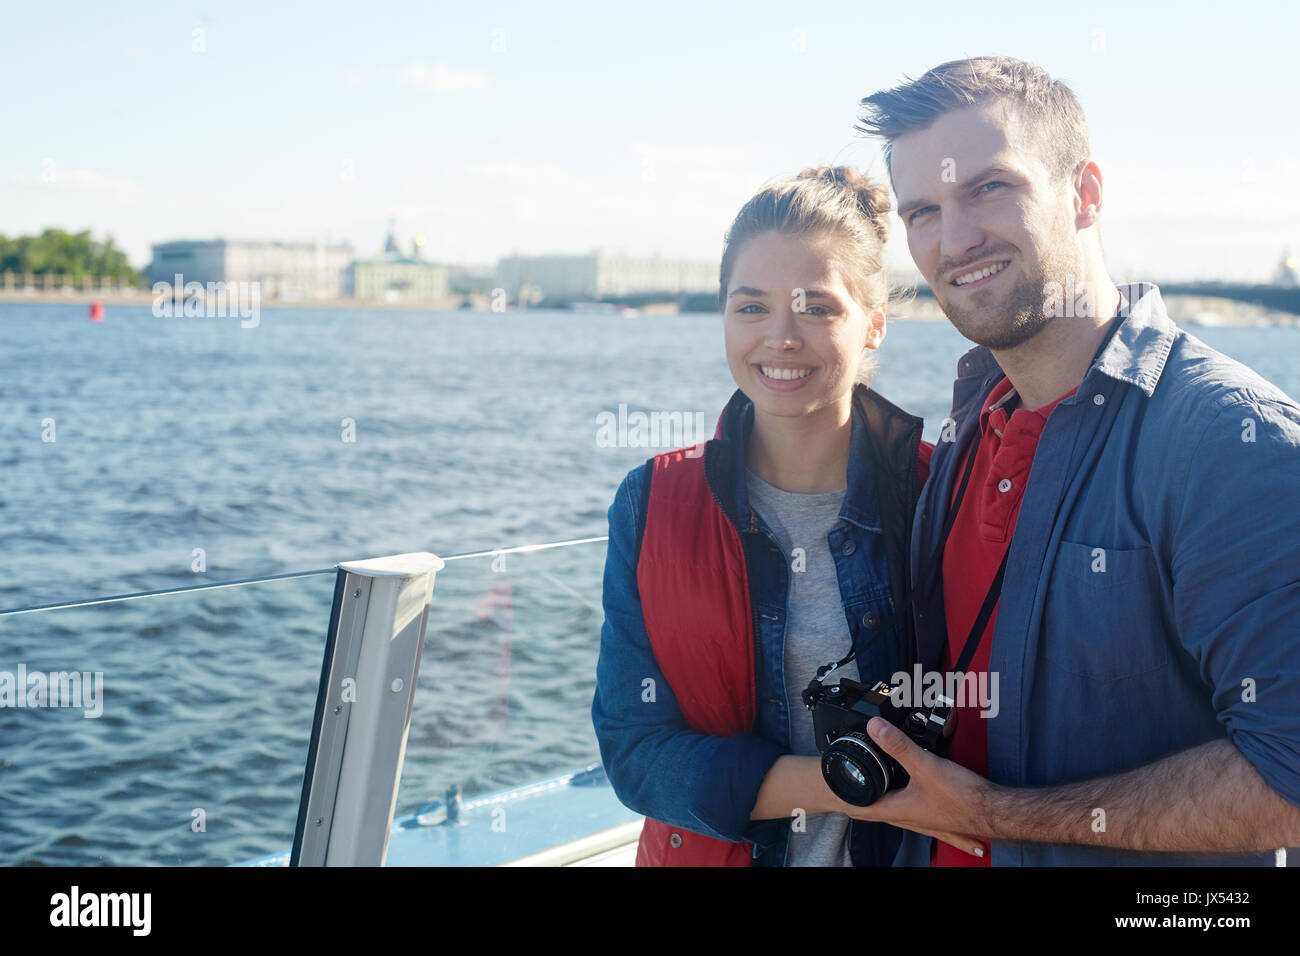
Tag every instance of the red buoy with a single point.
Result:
(97, 312)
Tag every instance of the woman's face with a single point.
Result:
(794, 332)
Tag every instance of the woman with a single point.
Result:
(736, 568)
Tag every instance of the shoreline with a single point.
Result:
(1190, 310)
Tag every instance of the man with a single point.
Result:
(1139, 486)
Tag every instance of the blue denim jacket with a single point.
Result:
(1152, 593)
(709, 784)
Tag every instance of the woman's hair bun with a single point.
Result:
(872, 197)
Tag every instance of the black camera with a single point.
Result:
(856, 770)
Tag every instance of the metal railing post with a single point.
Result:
(363, 710)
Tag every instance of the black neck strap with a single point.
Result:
(936, 567)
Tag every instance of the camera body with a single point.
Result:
(855, 768)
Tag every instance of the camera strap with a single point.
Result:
(990, 599)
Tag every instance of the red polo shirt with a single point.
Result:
(979, 538)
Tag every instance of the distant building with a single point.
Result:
(284, 270)
(398, 279)
(1287, 272)
(600, 274)
(471, 280)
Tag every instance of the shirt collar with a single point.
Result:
(1135, 354)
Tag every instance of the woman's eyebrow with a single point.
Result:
(760, 294)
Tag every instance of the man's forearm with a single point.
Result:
(1206, 800)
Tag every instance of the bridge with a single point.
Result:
(1276, 297)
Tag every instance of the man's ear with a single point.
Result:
(1087, 195)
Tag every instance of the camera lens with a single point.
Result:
(855, 770)
(855, 778)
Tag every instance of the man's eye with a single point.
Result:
(987, 185)
(919, 212)
(744, 309)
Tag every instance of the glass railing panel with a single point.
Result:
(187, 744)
(504, 701)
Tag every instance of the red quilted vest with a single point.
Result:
(694, 591)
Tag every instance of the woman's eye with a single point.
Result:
(919, 212)
(754, 308)
(987, 185)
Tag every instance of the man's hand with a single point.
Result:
(1207, 800)
(943, 799)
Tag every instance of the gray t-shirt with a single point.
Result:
(816, 632)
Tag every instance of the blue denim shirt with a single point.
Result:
(708, 784)
(1152, 593)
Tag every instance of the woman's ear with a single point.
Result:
(875, 327)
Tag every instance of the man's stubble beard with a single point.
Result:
(1021, 316)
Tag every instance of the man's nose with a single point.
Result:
(959, 234)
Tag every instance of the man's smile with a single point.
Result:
(979, 276)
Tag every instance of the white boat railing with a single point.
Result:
(381, 618)
(363, 710)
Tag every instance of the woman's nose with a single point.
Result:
(783, 332)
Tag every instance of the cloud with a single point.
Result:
(547, 175)
(440, 78)
(421, 77)
(84, 181)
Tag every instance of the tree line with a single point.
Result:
(57, 252)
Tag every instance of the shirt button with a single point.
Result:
(871, 620)
(1004, 485)
(848, 547)
(1099, 399)
(675, 840)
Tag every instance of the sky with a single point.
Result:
(498, 128)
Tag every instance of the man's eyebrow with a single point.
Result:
(996, 169)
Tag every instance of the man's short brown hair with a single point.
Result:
(1048, 107)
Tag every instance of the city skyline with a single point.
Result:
(508, 131)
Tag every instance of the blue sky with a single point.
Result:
(503, 127)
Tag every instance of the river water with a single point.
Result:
(143, 453)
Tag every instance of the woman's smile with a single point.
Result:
(783, 378)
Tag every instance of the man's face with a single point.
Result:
(976, 198)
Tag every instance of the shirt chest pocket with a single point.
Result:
(1103, 617)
